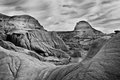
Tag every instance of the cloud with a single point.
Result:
(63, 14)
(88, 5)
(78, 1)
(11, 2)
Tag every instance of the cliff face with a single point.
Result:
(26, 32)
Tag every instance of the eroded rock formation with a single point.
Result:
(19, 66)
(104, 65)
(25, 47)
(26, 32)
(81, 38)
(84, 30)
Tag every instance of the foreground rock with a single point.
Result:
(19, 66)
(104, 65)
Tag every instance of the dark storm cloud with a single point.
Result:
(11, 2)
(110, 21)
(44, 7)
(69, 13)
(108, 1)
(103, 16)
(19, 8)
(69, 6)
(88, 5)
(78, 1)
(79, 15)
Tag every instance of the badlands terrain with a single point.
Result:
(29, 52)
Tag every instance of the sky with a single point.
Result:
(62, 15)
